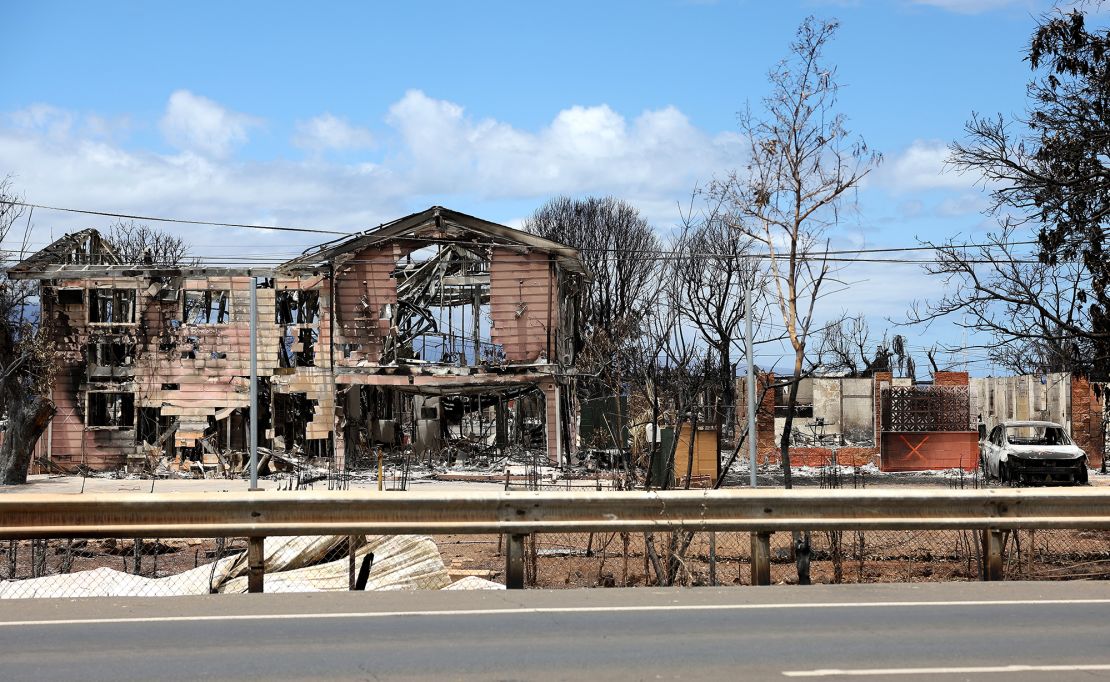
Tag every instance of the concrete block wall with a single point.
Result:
(1087, 420)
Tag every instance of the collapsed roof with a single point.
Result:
(435, 224)
(79, 249)
(87, 252)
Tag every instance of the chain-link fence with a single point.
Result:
(724, 558)
(145, 567)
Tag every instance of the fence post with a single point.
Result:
(514, 562)
(256, 559)
(712, 559)
(352, 571)
(761, 558)
(992, 554)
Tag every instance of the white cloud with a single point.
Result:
(975, 6)
(326, 132)
(92, 174)
(583, 149)
(197, 124)
(43, 119)
(921, 166)
(430, 152)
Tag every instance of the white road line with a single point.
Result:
(549, 609)
(832, 672)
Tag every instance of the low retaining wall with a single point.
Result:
(929, 450)
(819, 457)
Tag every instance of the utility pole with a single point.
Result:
(254, 384)
(751, 379)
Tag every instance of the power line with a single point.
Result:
(277, 258)
(656, 252)
(182, 221)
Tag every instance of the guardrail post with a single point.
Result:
(992, 554)
(761, 558)
(514, 562)
(256, 560)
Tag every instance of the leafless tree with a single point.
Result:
(671, 364)
(803, 161)
(845, 346)
(26, 358)
(138, 243)
(620, 250)
(677, 370)
(1034, 312)
(711, 267)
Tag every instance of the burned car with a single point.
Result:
(1032, 452)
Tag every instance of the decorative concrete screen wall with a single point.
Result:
(928, 427)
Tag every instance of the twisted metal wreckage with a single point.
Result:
(438, 335)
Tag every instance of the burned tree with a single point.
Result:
(846, 347)
(712, 267)
(1036, 313)
(25, 360)
(803, 161)
(616, 244)
(1048, 170)
(138, 243)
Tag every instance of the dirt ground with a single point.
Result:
(604, 560)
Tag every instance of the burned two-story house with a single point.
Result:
(439, 335)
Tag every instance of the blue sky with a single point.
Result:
(346, 115)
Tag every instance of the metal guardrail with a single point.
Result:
(763, 511)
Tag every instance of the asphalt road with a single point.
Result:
(1052, 631)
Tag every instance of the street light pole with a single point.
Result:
(751, 380)
(254, 384)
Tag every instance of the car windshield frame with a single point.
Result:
(1036, 435)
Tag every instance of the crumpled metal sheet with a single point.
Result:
(293, 564)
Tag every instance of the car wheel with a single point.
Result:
(1081, 475)
(983, 470)
(1003, 475)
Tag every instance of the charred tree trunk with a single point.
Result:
(727, 414)
(690, 449)
(788, 425)
(26, 422)
(801, 539)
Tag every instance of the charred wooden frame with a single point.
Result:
(359, 339)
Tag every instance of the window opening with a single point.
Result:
(111, 306)
(297, 306)
(71, 296)
(208, 306)
(111, 409)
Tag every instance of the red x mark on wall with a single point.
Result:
(914, 453)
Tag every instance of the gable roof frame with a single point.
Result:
(63, 252)
(441, 218)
